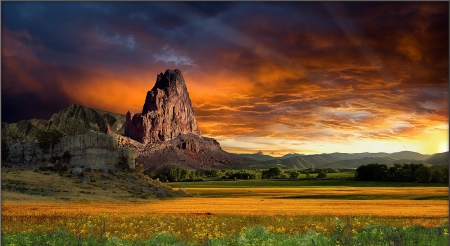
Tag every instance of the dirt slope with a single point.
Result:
(26, 185)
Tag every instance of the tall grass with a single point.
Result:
(196, 229)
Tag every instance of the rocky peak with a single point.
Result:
(167, 111)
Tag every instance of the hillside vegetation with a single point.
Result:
(75, 119)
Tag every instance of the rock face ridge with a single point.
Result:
(92, 150)
(77, 116)
(188, 150)
(166, 114)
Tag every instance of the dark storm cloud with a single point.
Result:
(29, 105)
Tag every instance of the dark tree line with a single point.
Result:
(179, 174)
(400, 173)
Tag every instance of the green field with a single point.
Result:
(218, 183)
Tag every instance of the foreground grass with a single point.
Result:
(197, 228)
(344, 234)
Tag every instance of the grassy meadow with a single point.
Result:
(250, 212)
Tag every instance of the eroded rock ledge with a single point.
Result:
(92, 150)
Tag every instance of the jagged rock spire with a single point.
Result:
(166, 113)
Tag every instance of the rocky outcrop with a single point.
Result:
(166, 132)
(75, 119)
(167, 112)
(188, 150)
(92, 150)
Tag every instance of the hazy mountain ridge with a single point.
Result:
(348, 160)
(439, 159)
(355, 163)
(297, 162)
(408, 155)
(258, 156)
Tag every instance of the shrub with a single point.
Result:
(139, 168)
(123, 164)
(47, 137)
(66, 156)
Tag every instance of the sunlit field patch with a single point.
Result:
(347, 193)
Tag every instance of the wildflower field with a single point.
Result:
(240, 216)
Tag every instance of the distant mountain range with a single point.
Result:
(344, 160)
(438, 159)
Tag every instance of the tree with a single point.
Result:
(445, 173)
(273, 172)
(437, 175)
(294, 175)
(372, 172)
(47, 137)
(423, 174)
(403, 175)
(308, 175)
(322, 175)
(212, 173)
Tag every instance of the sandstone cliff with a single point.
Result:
(92, 150)
(166, 114)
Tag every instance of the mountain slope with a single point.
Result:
(258, 156)
(352, 156)
(291, 155)
(439, 159)
(355, 163)
(408, 155)
(74, 119)
(296, 162)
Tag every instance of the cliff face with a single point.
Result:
(92, 150)
(186, 150)
(166, 114)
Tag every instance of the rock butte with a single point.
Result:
(167, 112)
(166, 131)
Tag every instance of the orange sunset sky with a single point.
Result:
(305, 77)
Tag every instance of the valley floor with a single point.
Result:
(215, 212)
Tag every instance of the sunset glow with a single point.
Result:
(277, 77)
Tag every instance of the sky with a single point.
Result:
(275, 77)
